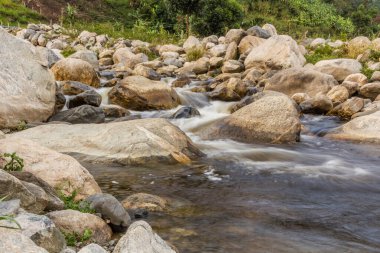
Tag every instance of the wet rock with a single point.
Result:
(185, 113)
(58, 170)
(258, 32)
(340, 69)
(232, 66)
(277, 52)
(272, 117)
(71, 221)
(347, 109)
(90, 97)
(71, 69)
(27, 87)
(145, 201)
(40, 229)
(53, 201)
(147, 72)
(84, 114)
(319, 104)
(338, 94)
(370, 90)
(231, 90)
(74, 88)
(114, 111)
(92, 248)
(141, 238)
(361, 129)
(111, 210)
(15, 242)
(140, 93)
(301, 80)
(60, 101)
(143, 141)
(181, 81)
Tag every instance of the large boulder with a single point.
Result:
(271, 117)
(58, 170)
(75, 222)
(142, 141)
(13, 241)
(80, 115)
(140, 93)
(361, 129)
(88, 56)
(301, 80)
(277, 52)
(27, 87)
(72, 69)
(40, 229)
(140, 238)
(339, 68)
(13, 188)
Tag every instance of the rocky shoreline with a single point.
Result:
(53, 106)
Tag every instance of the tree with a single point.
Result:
(215, 16)
(185, 8)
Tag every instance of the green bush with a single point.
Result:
(71, 203)
(13, 162)
(325, 52)
(72, 239)
(217, 16)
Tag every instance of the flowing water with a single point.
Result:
(318, 195)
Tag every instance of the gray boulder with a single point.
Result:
(89, 97)
(84, 114)
(258, 32)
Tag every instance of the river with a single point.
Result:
(318, 195)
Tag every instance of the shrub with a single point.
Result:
(216, 16)
(71, 203)
(194, 53)
(72, 239)
(324, 52)
(13, 162)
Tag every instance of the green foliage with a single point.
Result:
(8, 218)
(21, 126)
(71, 11)
(12, 12)
(68, 51)
(367, 71)
(374, 55)
(72, 239)
(71, 203)
(217, 16)
(194, 53)
(13, 162)
(325, 52)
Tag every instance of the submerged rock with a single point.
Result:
(143, 141)
(271, 117)
(27, 87)
(145, 201)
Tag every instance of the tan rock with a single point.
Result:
(338, 94)
(357, 78)
(301, 80)
(13, 241)
(347, 109)
(140, 93)
(277, 52)
(143, 141)
(27, 88)
(145, 201)
(272, 117)
(249, 42)
(72, 69)
(235, 35)
(71, 221)
(58, 170)
(300, 97)
(339, 68)
(370, 90)
(232, 52)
